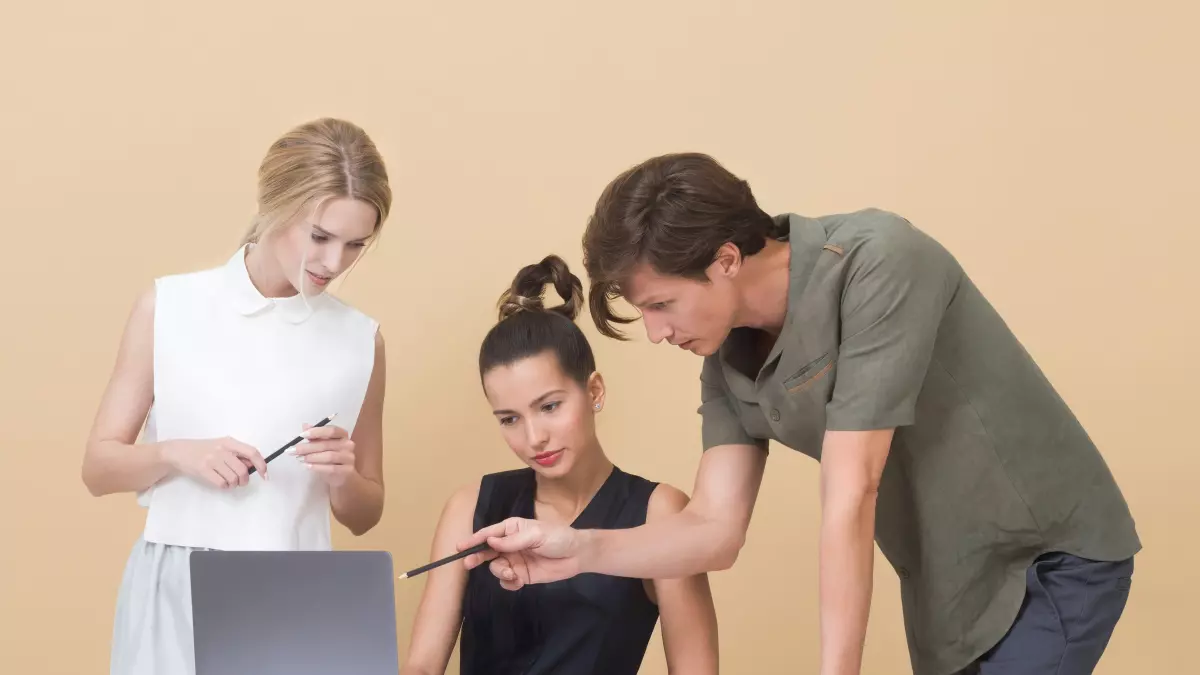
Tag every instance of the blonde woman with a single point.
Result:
(224, 365)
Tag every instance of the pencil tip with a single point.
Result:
(403, 576)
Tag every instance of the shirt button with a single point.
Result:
(775, 415)
(903, 573)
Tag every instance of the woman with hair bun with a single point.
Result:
(539, 376)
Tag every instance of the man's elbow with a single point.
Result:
(854, 492)
(727, 550)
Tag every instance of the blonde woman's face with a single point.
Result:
(325, 242)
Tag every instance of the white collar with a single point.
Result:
(248, 301)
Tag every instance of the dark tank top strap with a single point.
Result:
(639, 490)
(504, 495)
(621, 502)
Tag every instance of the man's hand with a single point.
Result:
(527, 551)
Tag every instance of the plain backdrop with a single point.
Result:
(1050, 146)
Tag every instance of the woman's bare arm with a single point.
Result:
(689, 618)
(358, 503)
(439, 615)
(113, 461)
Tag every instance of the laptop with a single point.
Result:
(294, 613)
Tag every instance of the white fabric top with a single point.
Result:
(230, 362)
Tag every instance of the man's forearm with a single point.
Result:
(847, 558)
(680, 545)
(357, 503)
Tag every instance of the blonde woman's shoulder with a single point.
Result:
(346, 311)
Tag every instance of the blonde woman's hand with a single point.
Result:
(220, 462)
(328, 451)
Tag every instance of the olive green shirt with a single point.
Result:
(988, 468)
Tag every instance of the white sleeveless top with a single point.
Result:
(230, 362)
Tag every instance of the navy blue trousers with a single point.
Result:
(1070, 610)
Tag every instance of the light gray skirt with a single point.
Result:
(152, 631)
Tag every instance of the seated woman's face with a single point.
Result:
(545, 417)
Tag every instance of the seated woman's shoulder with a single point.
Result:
(464, 496)
(666, 500)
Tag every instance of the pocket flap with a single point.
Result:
(810, 373)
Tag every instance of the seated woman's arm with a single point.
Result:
(439, 615)
(689, 619)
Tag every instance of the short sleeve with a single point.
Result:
(897, 288)
(720, 424)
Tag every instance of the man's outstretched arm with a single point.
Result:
(705, 536)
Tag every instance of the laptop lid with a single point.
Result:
(294, 613)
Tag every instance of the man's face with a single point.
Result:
(691, 314)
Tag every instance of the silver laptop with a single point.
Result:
(294, 613)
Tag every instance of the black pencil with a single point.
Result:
(480, 548)
(295, 440)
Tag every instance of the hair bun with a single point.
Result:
(528, 287)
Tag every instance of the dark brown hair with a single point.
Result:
(527, 328)
(672, 213)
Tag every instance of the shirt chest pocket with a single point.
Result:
(799, 404)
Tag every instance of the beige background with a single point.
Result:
(1051, 148)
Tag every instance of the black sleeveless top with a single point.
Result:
(591, 624)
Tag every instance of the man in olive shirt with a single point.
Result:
(858, 340)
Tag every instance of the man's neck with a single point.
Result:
(763, 288)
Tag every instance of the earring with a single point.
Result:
(597, 406)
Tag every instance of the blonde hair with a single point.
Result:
(323, 159)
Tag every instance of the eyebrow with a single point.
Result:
(331, 235)
(645, 302)
(535, 401)
(651, 298)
